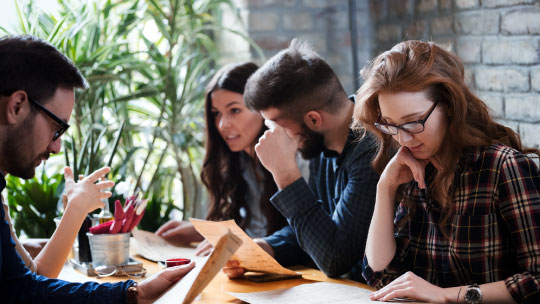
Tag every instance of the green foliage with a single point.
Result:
(147, 63)
(33, 203)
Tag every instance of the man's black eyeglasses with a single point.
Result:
(412, 127)
(63, 125)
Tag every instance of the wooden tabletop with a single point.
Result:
(216, 291)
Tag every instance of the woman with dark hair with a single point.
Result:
(467, 224)
(239, 186)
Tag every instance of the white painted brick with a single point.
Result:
(535, 79)
(399, 7)
(389, 32)
(299, 21)
(442, 25)
(316, 40)
(464, 4)
(530, 135)
(266, 21)
(523, 108)
(510, 51)
(476, 23)
(497, 3)
(265, 3)
(495, 103)
(469, 50)
(525, 21)
(469, 77)
(500, 79)
(514, 125)
(337, 20)
(320, 3)
(426, 5)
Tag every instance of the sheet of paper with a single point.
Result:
(250, 255)
(155, 248)
(205, 270)
(312, 293)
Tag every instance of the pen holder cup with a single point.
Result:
(109, 249)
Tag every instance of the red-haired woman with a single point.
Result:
(467, 224)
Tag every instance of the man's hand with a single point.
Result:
(86, 195)
(150, 289)
(179, 233)
(233, 270)
(204, 248)
(277, 152)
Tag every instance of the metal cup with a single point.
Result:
(109, 249)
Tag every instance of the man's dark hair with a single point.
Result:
(33, 65)
(295, 81)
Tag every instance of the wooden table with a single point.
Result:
(216, 291)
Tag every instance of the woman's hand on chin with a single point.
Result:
(403, 168)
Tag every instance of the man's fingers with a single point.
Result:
(104, 185)
(234, 273)
(104, 194)
(232, 264)
(98, 173)
(175, 273)
(68, 174)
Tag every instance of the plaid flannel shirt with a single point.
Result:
(494, 235)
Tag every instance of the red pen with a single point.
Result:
(119, 216)
(101, 228)
(139, 212)
(129, 218)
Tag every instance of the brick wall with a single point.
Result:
(323, 23)
(498, 41)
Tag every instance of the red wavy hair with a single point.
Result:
(414, 66)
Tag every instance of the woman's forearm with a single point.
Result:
(381, 245)
(51, 259)
(495, 292)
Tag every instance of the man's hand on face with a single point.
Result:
(277, 152)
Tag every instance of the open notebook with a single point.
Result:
(185, 290)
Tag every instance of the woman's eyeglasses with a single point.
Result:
(63, 125)
(412, 127)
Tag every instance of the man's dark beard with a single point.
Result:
(18, 150)
(312, 143)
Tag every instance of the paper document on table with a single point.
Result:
(185, 290)
(155, 248)
(250, 255)
(312, 293)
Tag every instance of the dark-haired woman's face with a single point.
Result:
(405, 107)
(236, 124)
